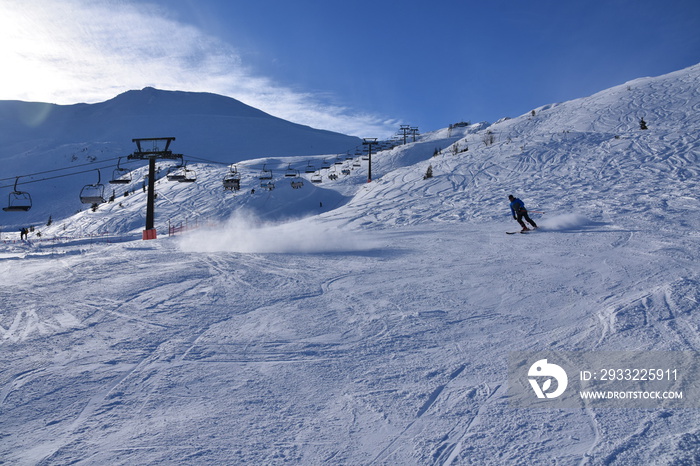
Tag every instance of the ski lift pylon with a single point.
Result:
(18, 201)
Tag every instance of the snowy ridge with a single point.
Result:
(349, 322)
(207, 125)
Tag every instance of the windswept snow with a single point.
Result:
(246, 233)
(349, 322)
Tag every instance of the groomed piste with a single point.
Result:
(347, 322)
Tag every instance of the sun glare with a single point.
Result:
(27, 54)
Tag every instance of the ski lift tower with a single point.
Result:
(152, 154)
(414, 132)
(405, 129)
(369, 142)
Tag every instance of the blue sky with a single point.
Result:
(360, 67)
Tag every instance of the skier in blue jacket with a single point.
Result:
(517, 208)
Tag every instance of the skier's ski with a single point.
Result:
(521, 231)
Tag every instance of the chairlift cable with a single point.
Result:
(52, 177)
(65, 168)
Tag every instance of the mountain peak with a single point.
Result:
(152, 101)
(206, 125)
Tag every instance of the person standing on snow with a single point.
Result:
(517, 208)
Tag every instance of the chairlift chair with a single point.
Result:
(120, 175)
(325, 165)
(176, 173)
(310, 168)
(182, 174)
(93, 193)
(265, 174)
(189, 176)
(232, 184)
(297, 182)
(316, 178)
(18, 201)
(232, 181)
(290, 173)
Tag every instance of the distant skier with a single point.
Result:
(517, 208)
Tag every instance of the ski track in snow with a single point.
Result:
(377, 329)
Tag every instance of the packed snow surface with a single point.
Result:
(348, 322)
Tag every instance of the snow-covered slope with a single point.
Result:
(374, 324)
(587, 157)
